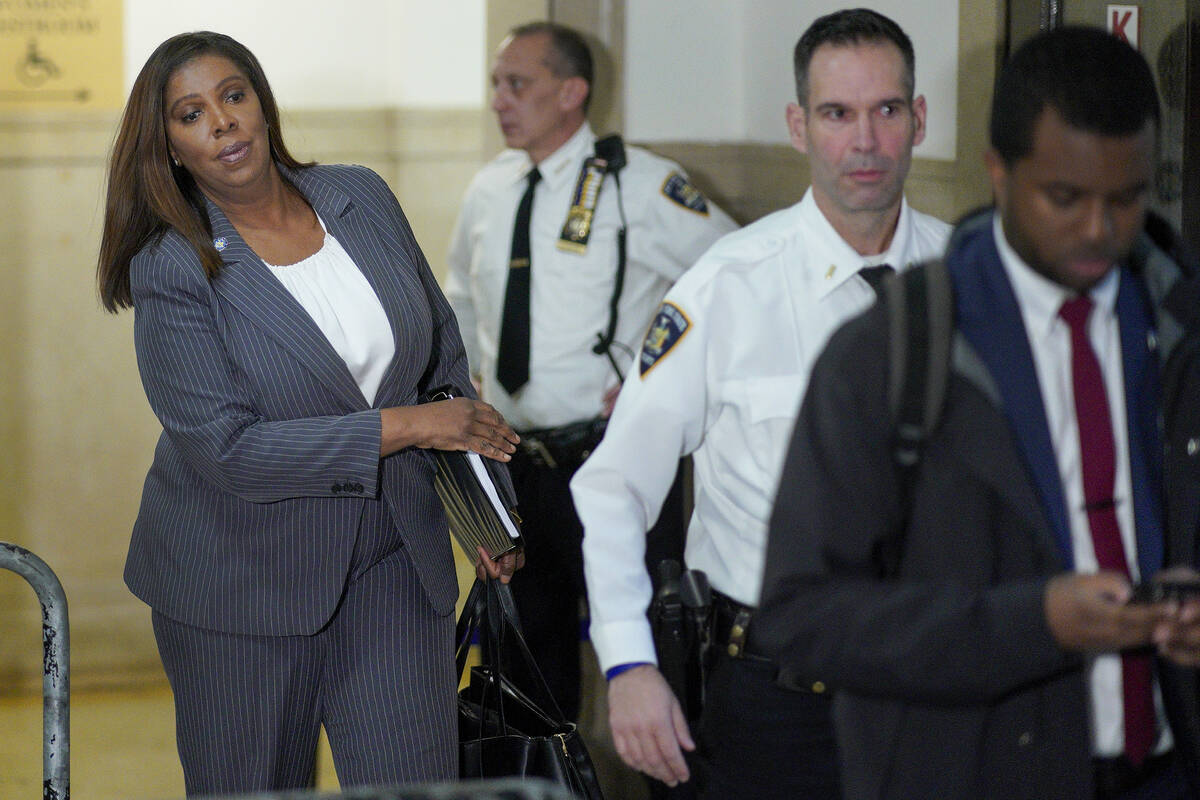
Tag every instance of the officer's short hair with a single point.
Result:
(1095, 81)
(849, 27)
(570, 56)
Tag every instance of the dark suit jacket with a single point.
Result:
(948, 681)
(269, 458)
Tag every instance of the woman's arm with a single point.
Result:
(207, 413)
(461, 423)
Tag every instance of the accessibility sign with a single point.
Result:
(61, 54)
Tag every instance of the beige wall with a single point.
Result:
(76, 433)
(73, 424)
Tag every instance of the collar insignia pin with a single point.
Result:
(220, 243)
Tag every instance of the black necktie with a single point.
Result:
(875, 275)
(512, 360)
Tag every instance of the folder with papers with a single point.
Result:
(476, 503)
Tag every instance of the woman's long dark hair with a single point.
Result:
(146, 193)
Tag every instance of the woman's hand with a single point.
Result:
(456, 424)
(502, 568)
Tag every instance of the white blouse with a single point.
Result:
(338, 297)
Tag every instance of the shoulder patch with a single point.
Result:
(677, 189)
(669, 327)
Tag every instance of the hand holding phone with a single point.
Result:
(1179, 584)
(1163, 589)
(1089, 613)
(1178, 638)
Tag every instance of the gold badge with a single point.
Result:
(578, 227)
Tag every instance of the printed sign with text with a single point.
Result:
(61, 54)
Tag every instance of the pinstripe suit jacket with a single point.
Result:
(269, 458)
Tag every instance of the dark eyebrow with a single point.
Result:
(1137, 187)
(887, 101)
(230, 79)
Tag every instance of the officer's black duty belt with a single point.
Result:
(731, 625)
(566, 446)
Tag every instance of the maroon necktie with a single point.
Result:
(1098, 457)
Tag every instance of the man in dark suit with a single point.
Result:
(974, 618)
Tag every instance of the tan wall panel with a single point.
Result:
(427, 156)
(75, 423)
(980, 46)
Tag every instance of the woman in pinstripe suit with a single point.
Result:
(289, 540)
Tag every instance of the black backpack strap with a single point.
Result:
(920, 308)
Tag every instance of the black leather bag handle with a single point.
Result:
(491, 610)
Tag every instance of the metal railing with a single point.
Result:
(56, 668)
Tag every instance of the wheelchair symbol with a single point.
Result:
(34, 69)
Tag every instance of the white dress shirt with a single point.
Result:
(760, 306)
(1040, 299)
(569, 292)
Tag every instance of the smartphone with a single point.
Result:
(1160, 591)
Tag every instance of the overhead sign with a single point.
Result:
(1125, 23)
(61, 54)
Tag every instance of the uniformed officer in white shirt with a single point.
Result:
(721, 375)
(578, 348)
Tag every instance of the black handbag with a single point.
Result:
(508, 721)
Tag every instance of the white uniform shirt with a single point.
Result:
(1050, 341)
(760, 306)
(570, 292)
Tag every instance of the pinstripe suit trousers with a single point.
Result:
(379, 676)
